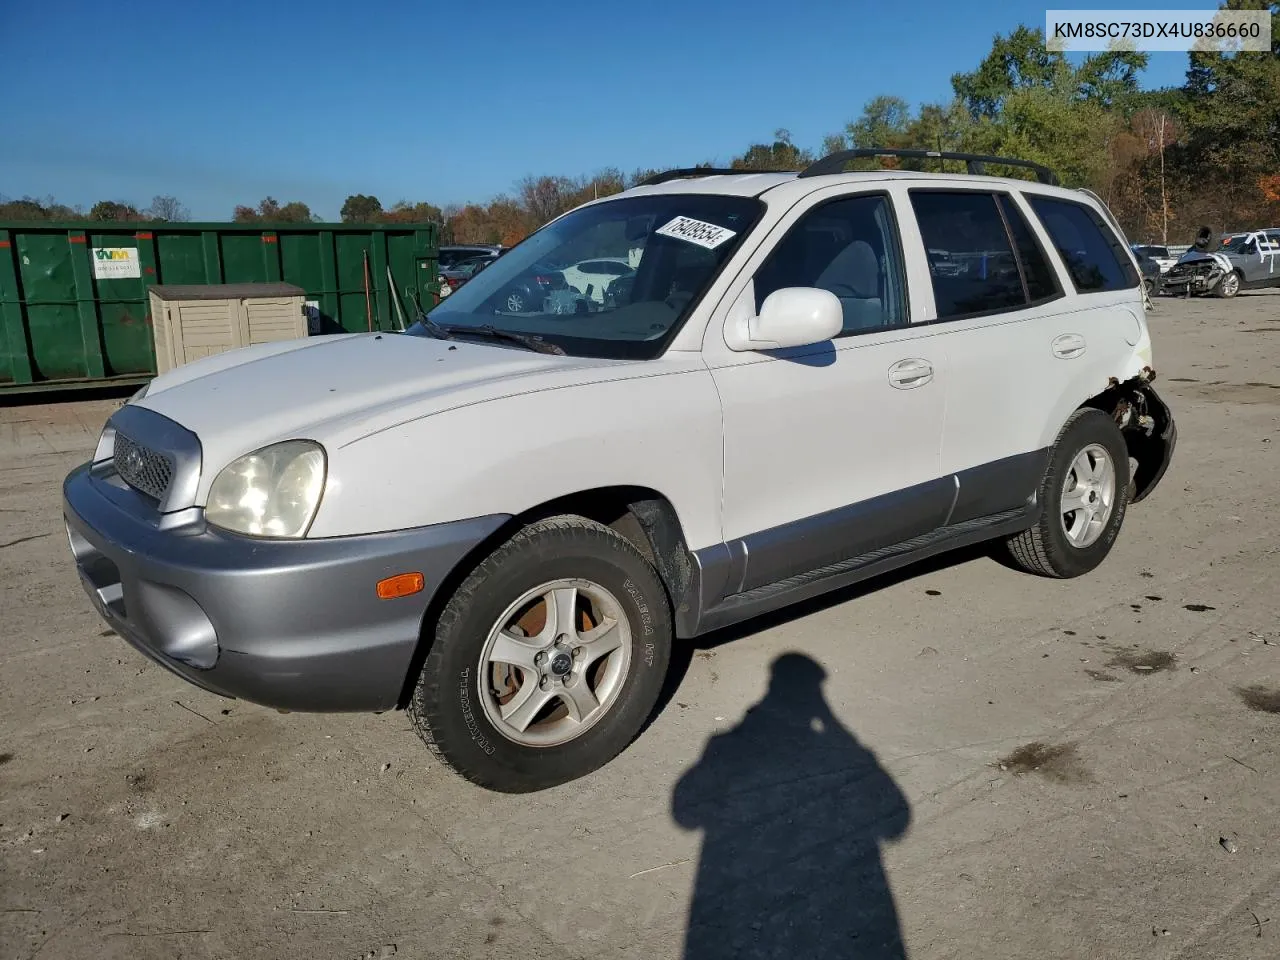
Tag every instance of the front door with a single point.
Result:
(831, 451)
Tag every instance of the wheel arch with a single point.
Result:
(1145, 422)
(645, 517)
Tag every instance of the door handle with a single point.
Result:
(1068, 346)
(906, 374)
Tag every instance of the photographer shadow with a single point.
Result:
(793, 811)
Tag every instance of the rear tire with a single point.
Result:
(547, 661)
(1085, 493)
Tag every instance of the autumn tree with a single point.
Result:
(167, 208)
(1233, 120)
(113, 210)
(359, 208)
(781, 154)
(1158, 130)
(272, 211)
(31, 208)
(405, 212)
(544, 198)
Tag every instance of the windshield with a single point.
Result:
(1237, 244)
(614, 279)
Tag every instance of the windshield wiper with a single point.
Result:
(528, 341)
(435, 329)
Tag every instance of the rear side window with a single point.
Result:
(1093, 255)
(1042, 285)
(971, 259)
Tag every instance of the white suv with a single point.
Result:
(504, 522)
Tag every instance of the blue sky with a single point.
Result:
(226, 102)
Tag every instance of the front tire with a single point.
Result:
(1085, 493)
(1229, 285)
(547, 660)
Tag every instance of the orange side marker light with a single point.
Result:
(401, 585)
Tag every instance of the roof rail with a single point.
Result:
(698, 172)
(973, 162)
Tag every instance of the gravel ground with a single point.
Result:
(989, 764)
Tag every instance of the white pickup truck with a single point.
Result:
(503, 521)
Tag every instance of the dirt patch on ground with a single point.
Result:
(1059, 762)
(1144, 662)
(1224, 392)
(1260, 698)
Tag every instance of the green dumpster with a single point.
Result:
(73, 296)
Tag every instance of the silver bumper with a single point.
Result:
(289, 624)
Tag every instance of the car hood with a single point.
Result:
(1192, 257)
(337, 389)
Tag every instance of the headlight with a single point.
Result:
(272, 492)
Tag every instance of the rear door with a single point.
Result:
(1036, 322)
(997, 312)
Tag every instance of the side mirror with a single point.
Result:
(790, 317)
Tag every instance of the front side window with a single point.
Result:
(971, 260)
(1093, 255)
(850, 248)
(614, 279)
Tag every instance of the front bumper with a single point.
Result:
(1200, 282)
(290, 624)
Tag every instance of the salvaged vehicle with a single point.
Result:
(1244, 261)
(503, 522)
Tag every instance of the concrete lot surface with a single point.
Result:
(989, 764)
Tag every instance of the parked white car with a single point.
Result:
(1160, 254)
(505, 523)
(592, 278)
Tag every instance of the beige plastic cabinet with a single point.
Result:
(199, 320)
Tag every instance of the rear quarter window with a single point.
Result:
(1093, 254)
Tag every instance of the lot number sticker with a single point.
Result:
(115, 263)
(696, 231)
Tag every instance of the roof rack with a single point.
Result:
(699, 172)
(973, 162)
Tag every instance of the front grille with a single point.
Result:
(142, 468)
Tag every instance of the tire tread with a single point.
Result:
(427, 696)
(1033, 550)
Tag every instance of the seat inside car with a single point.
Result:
(853, 275)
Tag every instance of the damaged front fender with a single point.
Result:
(1148, 427)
